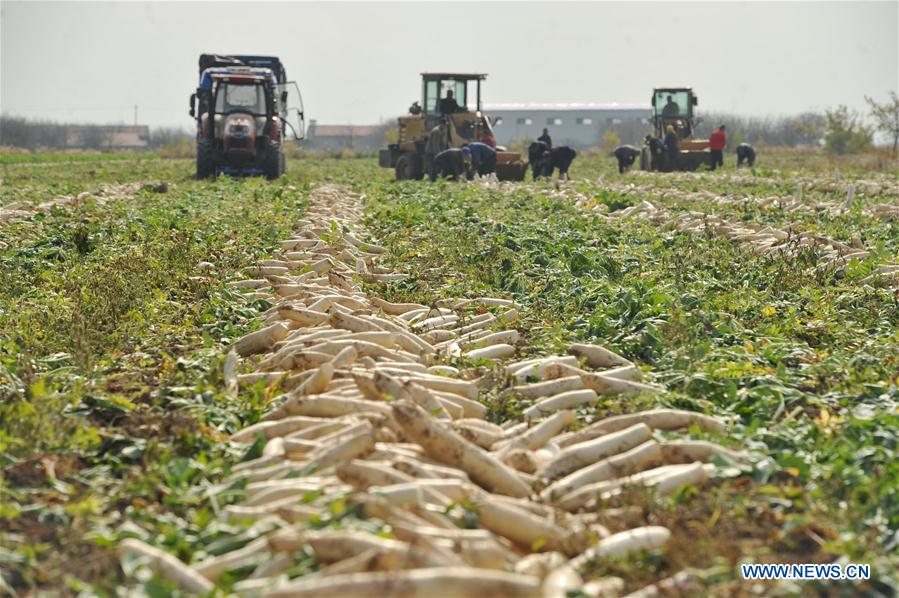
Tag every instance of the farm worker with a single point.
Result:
(717, 143)
(625, 154)
(538, 157)
(487, 138)
(671, 108)
(483, 157)
(560, 157)
(545, 138)
(656, 151)
(671, 150)
(448, 104)
(449, 163)
(745, 152)
(437, 142)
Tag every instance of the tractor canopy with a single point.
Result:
(673, 102)
(446, 93)
(237, 73)
(273, 63)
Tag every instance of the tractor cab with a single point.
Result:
(455, 97)
(674, 106)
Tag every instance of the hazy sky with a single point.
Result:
(360, 62)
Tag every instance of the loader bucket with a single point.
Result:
(509, 166)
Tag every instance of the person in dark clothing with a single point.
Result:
(538, 156)
(448, 104)
(626, 154)
(656, 152)
(450, 163)
(745, 152)
(671, 149)
(560, 157)
(671, 109)
(545, 138)
(483, 157)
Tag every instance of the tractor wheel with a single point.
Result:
(205, 160)
(645, 159)
(271, 163)
(408, 167)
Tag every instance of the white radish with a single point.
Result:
(577, 456)
(167, 566)
(498, 351)
(521, 527)
(596, 356)
(640, 538)
(260, 340)
(565, 400)
(541, 433)
(395, 309)
(447, 447)
(658, 419)
(645, 455)
(545, 389)
(460, 582)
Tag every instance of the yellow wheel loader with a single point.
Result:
(674, 106)
(455, 97)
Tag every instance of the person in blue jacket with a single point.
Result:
(483, 157)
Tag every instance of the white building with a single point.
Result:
(576, 125)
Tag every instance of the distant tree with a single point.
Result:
(16, 131)
(845, 133)
(886, 117)
(808, 129)
(94, 137)
(610, 140)
(167, 137)
(802, 130)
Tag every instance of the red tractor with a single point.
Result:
(241, 110)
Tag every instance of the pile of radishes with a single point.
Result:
(375, 419)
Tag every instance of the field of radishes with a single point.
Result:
(340, 385)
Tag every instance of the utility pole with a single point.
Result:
(135, 115)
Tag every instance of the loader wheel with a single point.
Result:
(205, 161)
(408, 167)
(272, 163)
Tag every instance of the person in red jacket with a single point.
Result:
(487, 138)
(717, 143)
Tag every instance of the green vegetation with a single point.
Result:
(112, 407)
(845, 133)
(807, 362)
(111, 349)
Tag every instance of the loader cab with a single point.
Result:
(457, 98)
(464, 88)
(674, 106)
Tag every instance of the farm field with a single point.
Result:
(759, 308)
